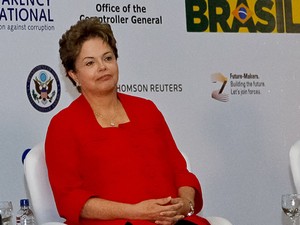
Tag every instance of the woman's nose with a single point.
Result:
(101, 65)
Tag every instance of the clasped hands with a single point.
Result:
(164, 211)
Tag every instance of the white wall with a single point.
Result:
(238, 149)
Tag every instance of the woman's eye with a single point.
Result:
(109, 58)
(89, 63)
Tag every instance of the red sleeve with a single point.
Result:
(63, 168)
(183, 176)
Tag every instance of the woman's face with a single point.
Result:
(96, 68)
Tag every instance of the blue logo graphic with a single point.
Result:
(43, 88)
(243, 13)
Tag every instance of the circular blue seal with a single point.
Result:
(43, 88)
(243, 13)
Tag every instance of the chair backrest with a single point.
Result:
(295, 164)
(40, 191)
(213, 220)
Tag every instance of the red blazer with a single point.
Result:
(138, 160)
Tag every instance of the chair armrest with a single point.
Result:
(53, 223)
(213, 220)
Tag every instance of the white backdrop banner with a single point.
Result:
(224, 73)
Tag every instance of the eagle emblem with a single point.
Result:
(43, 89)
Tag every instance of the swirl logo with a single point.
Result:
(218, 94)
(43, 88)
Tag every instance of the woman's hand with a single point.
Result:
(164, 211)
(185, 209)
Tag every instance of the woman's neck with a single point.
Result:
(104, 104)
(108, 110)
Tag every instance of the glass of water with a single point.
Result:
(290, 204)
(6, 210)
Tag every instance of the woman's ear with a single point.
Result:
(73, 75)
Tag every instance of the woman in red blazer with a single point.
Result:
(111, 157)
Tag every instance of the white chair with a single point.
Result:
(41, 195)
(40, 192)
(213, 220)
(218, 221)
(295, 164)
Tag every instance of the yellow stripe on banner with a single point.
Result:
(296, 11)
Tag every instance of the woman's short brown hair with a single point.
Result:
(72, 40)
